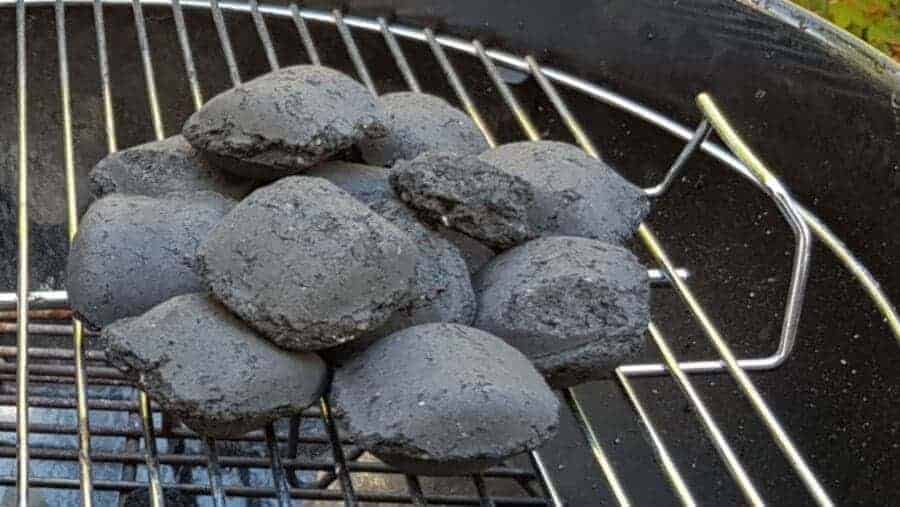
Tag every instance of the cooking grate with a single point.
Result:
(139, 421)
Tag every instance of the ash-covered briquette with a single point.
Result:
(575, 194)
(308, 265)
(444, 399)
(417, 123)
(284, 122)
(133, 252)
(210, 369)
(469, 195)
(576, 307)
(370, 185)
(161, 167)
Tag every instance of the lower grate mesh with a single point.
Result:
(131, 446)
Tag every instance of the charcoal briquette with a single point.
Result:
(576, 307)
(443, 399)
(210, 369)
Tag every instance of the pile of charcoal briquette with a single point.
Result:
(437, 292)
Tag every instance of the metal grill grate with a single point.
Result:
(86, 369)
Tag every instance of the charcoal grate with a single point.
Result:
(141, 464)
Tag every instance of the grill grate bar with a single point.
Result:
(260, 492)
(305, 36)
(662, 453)
(710, 426)
(508, 96)
(399, 57)
(214, 472)
(293, 442)
(546, 482)
(103, 60)
(84, 436)
(197, 460)
(22, 460)
(225, 40)
(340, 465)
(150, 453)
(458, 87)
(560, 105)
(59, 299)
(482, 491)
(415, 491)
(149, 76)
(353, 50)
(278, 476)
(599, 454)
(185, 42)
(263, 31)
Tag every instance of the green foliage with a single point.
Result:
(875, 21)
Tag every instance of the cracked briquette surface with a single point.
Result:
(133, 252)
(370, 185)
(284, 122)
(469, 195)
(444, 399)
(576, 307)
(417, 123)
(575, 194)
(308, 265)
(210, 369)
(161, 167)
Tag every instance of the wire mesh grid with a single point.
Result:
(203, 467)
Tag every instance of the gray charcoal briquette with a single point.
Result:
(204, 365)
(160, 167)
(576, 195)
(469, 195)
(366, 183)
(284, 122)
(576, 307)
(442, 290)
(133, 252)
(308, 265)
(417, 123)
(443, 399)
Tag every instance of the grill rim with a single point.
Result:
(438, 43)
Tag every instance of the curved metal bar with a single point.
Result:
(700, 136)
(787, 205)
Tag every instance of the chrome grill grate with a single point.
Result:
(85, 369)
